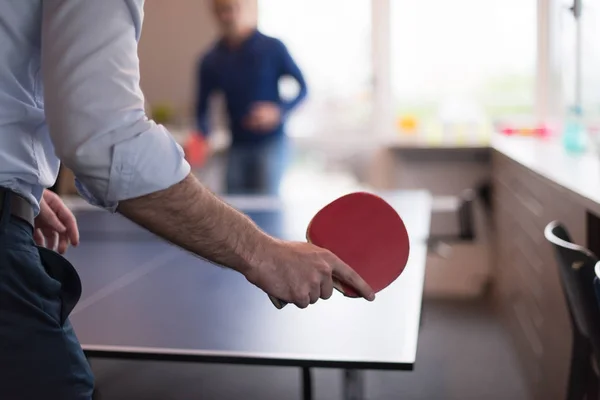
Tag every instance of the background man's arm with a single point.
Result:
(290, 68)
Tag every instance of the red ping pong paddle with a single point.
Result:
(196, 150)
(365, 232)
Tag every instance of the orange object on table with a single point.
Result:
(196, 150)
(408, 124)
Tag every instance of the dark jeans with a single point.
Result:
(257, 168)
(40, 356)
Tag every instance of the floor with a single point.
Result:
(463, 354)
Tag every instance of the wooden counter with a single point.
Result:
(536, 182)
(576, 175)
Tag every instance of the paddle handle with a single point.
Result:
(279, 304)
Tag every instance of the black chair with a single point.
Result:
(465, 222)
(576, 266)
(597, 282)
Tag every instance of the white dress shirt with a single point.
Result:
(69, 90)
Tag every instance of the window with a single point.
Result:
(463, 62)
(579, 49)
(590, 21)
(448, 64)
(331, 42)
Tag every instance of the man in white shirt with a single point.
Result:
(69, 91)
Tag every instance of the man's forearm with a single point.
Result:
(190, 216)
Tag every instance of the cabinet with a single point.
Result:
(527, 289)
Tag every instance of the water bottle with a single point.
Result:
(575, 137)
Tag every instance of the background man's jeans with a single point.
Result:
(257, 168)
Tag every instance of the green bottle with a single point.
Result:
(575, 136)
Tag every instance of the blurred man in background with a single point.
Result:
(246, 66)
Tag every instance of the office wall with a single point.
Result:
(175, 34)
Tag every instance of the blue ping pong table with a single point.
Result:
(145, 299)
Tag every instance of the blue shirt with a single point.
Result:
(69, 91)
(246, 75)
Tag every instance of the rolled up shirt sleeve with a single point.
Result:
(94, 105)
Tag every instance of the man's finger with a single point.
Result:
(348, 276)
(51, 239)
(52, 221)
(326, 288)
(68, 219)
(63, 244)
(303, 303)
(315, 295)
(38, 237)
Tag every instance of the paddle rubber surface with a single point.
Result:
(365, 232)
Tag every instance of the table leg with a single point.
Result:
(307, 390)
(96, 395)
(354, 388)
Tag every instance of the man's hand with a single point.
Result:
(55, 225)
(263, 117)
(302, 273)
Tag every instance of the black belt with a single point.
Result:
(19, 207)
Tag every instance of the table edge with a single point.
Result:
(221, 357)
